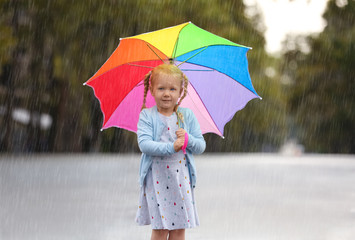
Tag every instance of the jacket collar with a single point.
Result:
(156, 115)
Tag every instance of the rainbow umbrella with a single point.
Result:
(217, 69)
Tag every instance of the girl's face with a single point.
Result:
(166, 90)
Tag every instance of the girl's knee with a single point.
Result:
(178, 234)
(159, 234)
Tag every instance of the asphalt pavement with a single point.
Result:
(238, 196)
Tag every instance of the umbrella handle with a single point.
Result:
(185, 143)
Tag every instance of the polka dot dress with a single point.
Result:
(167, 199)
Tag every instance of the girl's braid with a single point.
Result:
(146, 87)
(186, 83)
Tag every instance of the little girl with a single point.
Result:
(167, 175)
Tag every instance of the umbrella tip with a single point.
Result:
(84, 83)
(101, 129)
(222, 137)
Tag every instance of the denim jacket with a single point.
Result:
(150, 128)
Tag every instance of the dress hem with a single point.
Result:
(170, 229)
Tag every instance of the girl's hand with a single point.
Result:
(178, 144)
(180, 133)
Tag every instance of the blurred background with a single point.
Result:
(48, 49)
(302, 65)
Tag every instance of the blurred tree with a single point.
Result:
(322, 97)
(11, 53)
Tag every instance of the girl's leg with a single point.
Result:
(160, 234)
(178, 234)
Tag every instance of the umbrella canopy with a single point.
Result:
(217, 69)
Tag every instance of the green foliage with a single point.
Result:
(7, 40)
(322, 98)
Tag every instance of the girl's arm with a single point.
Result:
(196, 143)
(145, 138)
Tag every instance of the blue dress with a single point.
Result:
(167, 199)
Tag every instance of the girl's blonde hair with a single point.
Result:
(167, 69)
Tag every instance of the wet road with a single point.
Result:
(239, 196)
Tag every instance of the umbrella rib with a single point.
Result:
(254, 92)
(175, 48)
(155, 52)
(173, 54)
(193, 55)
(196, 70)
(136, 65)
(204, 105)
